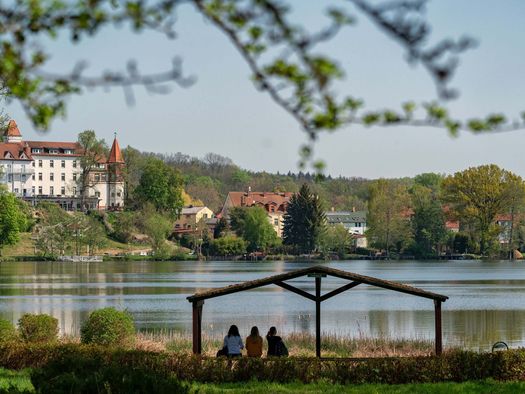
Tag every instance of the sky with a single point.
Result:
(224, 113)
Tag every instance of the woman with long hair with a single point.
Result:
(276, 345)
(254, 343)
(233, 342)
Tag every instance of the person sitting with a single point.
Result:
(254, 343)
(276, 345)
(233, 342)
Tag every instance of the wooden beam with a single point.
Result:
(438, 332)
(295, 290)
(318, 316)
(197, 326)
(335, 292)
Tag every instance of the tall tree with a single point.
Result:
(304, 221)
(428, 220)
(389, 215)
(94, 152)
(478, 194)
(161, 186)
(12, 219)
(253, 225)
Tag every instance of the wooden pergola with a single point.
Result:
(317, 272)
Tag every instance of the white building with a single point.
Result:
(50, 171)
(353, 221)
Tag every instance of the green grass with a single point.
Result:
(488, 386)
(15, 382)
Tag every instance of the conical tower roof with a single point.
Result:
(115, 156)
(12, 129)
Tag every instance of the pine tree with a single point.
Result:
(304, 221)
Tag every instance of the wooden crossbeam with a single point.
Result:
(335, 292)
(295, 290)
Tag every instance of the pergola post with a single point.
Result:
(197, 326)
(438, 331)
(317, 316)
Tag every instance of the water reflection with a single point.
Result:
(487, 299)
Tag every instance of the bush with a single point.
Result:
(7, 331)
(91, 372)
(38, 328)
(108, 326)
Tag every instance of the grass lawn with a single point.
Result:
(488, 386)
(19, 382)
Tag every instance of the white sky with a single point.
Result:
(223, 112)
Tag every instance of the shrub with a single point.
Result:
(38, 328)
(90, 372)
(7, 331)
(108, 326)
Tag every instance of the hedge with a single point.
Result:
(455, 366)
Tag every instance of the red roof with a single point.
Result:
(14, 150)
(248, 199)
(115, 156)
(12, 129)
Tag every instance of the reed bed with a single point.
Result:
(299, 344)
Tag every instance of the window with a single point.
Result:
(120, 194)
(62, 190)
(97, 194)
(33, 177)
(39, 176)
(36, 150)
(53, 151)
(74, 176)
(40, 163)
(24, 192)
(63, 163)
(32, 164)
(33, 190)
(275, 222)
(23, 177)
(68, 151)
(75, 191)
(97, 178)
(113, 194)
(205, 215)
(74, 164)
(51, 163)
(40, 190)
(51, 176)
(51, 190)
(63, 177)
(10, 177)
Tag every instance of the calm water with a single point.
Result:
(487, 299)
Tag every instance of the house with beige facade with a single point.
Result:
(190, 217)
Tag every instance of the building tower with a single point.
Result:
(115, 183)
(12, 134)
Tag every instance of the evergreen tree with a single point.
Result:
(304, 221)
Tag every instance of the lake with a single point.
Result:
(486, 304)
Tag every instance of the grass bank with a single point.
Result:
(481, 387)
(19, 382)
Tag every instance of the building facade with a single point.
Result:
(190, 217)
(51, 171)
(353, 221)
(274, 203)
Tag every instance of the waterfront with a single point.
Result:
(487, 299)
